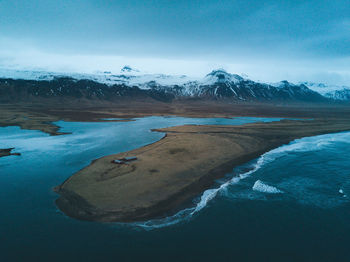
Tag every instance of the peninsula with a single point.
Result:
(167, 174)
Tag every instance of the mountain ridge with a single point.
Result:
(217, 85)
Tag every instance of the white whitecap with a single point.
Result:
(206, 197)
(299, 145)
(264, 188)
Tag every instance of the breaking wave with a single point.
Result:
(299, 145)
(264, 188)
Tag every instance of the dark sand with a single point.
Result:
(172, 171)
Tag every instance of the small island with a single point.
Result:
(169, 173)
(7, 152)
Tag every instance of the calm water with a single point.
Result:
(292, 204)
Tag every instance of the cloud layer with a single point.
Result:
(266, 39)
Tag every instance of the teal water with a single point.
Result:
(291, 204)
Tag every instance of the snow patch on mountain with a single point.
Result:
(323, 89)
(327, 90)
(129, 69)
(217, 83)
(127, 76)
(221, 76)
(131, 77)
(282, 84)
(331, 91)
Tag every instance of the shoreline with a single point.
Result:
(42, 117)
(139, 191)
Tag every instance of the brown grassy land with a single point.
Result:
(41, 116)
(175, 169)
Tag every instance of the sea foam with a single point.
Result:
(299, 145)
(206, 197)
(262, 187)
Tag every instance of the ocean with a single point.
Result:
(291, 204)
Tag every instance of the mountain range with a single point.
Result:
(21, 86)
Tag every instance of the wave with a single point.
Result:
(206, 197)
(341, 191)
(298, 145)
(264, 188)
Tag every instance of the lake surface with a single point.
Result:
(291, 204)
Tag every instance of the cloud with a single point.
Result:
(267, 39)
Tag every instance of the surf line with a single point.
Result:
(303, 144)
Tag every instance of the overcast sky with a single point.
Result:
(268, 40)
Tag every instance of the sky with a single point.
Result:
(268, 40)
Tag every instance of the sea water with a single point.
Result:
(291, 204)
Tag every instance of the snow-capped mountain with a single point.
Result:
(127, 75)
(221, 76)
(342, 94)
(330, 91)
(128, 69)
(130, 82)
